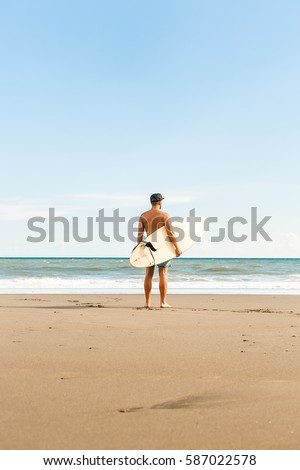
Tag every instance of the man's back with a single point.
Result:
(154, 219)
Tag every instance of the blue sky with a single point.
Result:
(103, 103)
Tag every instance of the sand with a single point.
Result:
(97, 372)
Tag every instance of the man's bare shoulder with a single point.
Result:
(144, 215)
(165, 215)
(150, 214)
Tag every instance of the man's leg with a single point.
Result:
(148, 285)
(163, 287)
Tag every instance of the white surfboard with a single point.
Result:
(157, 248)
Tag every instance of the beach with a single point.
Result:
(89, 371)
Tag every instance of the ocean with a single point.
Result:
(186, 275)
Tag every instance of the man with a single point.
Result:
(150, 221)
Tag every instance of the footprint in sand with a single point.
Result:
(185, 403)
(89, 305)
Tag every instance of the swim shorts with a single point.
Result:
(166, 264)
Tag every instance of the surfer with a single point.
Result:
(150, 221)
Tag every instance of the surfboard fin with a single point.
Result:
(149, 245)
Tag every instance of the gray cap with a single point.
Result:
(156, 197)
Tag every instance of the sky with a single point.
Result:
(104, 103)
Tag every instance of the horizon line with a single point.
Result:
(126, 257)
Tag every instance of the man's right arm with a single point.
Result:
(172, 237)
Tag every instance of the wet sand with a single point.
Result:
(100, 372)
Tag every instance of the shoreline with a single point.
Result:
(140, 292)
(84, 371)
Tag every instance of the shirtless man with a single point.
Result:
(150, 221)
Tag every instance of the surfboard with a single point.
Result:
(157, 248)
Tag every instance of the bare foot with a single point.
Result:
(165, 305)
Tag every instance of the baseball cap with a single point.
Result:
(156, 197)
